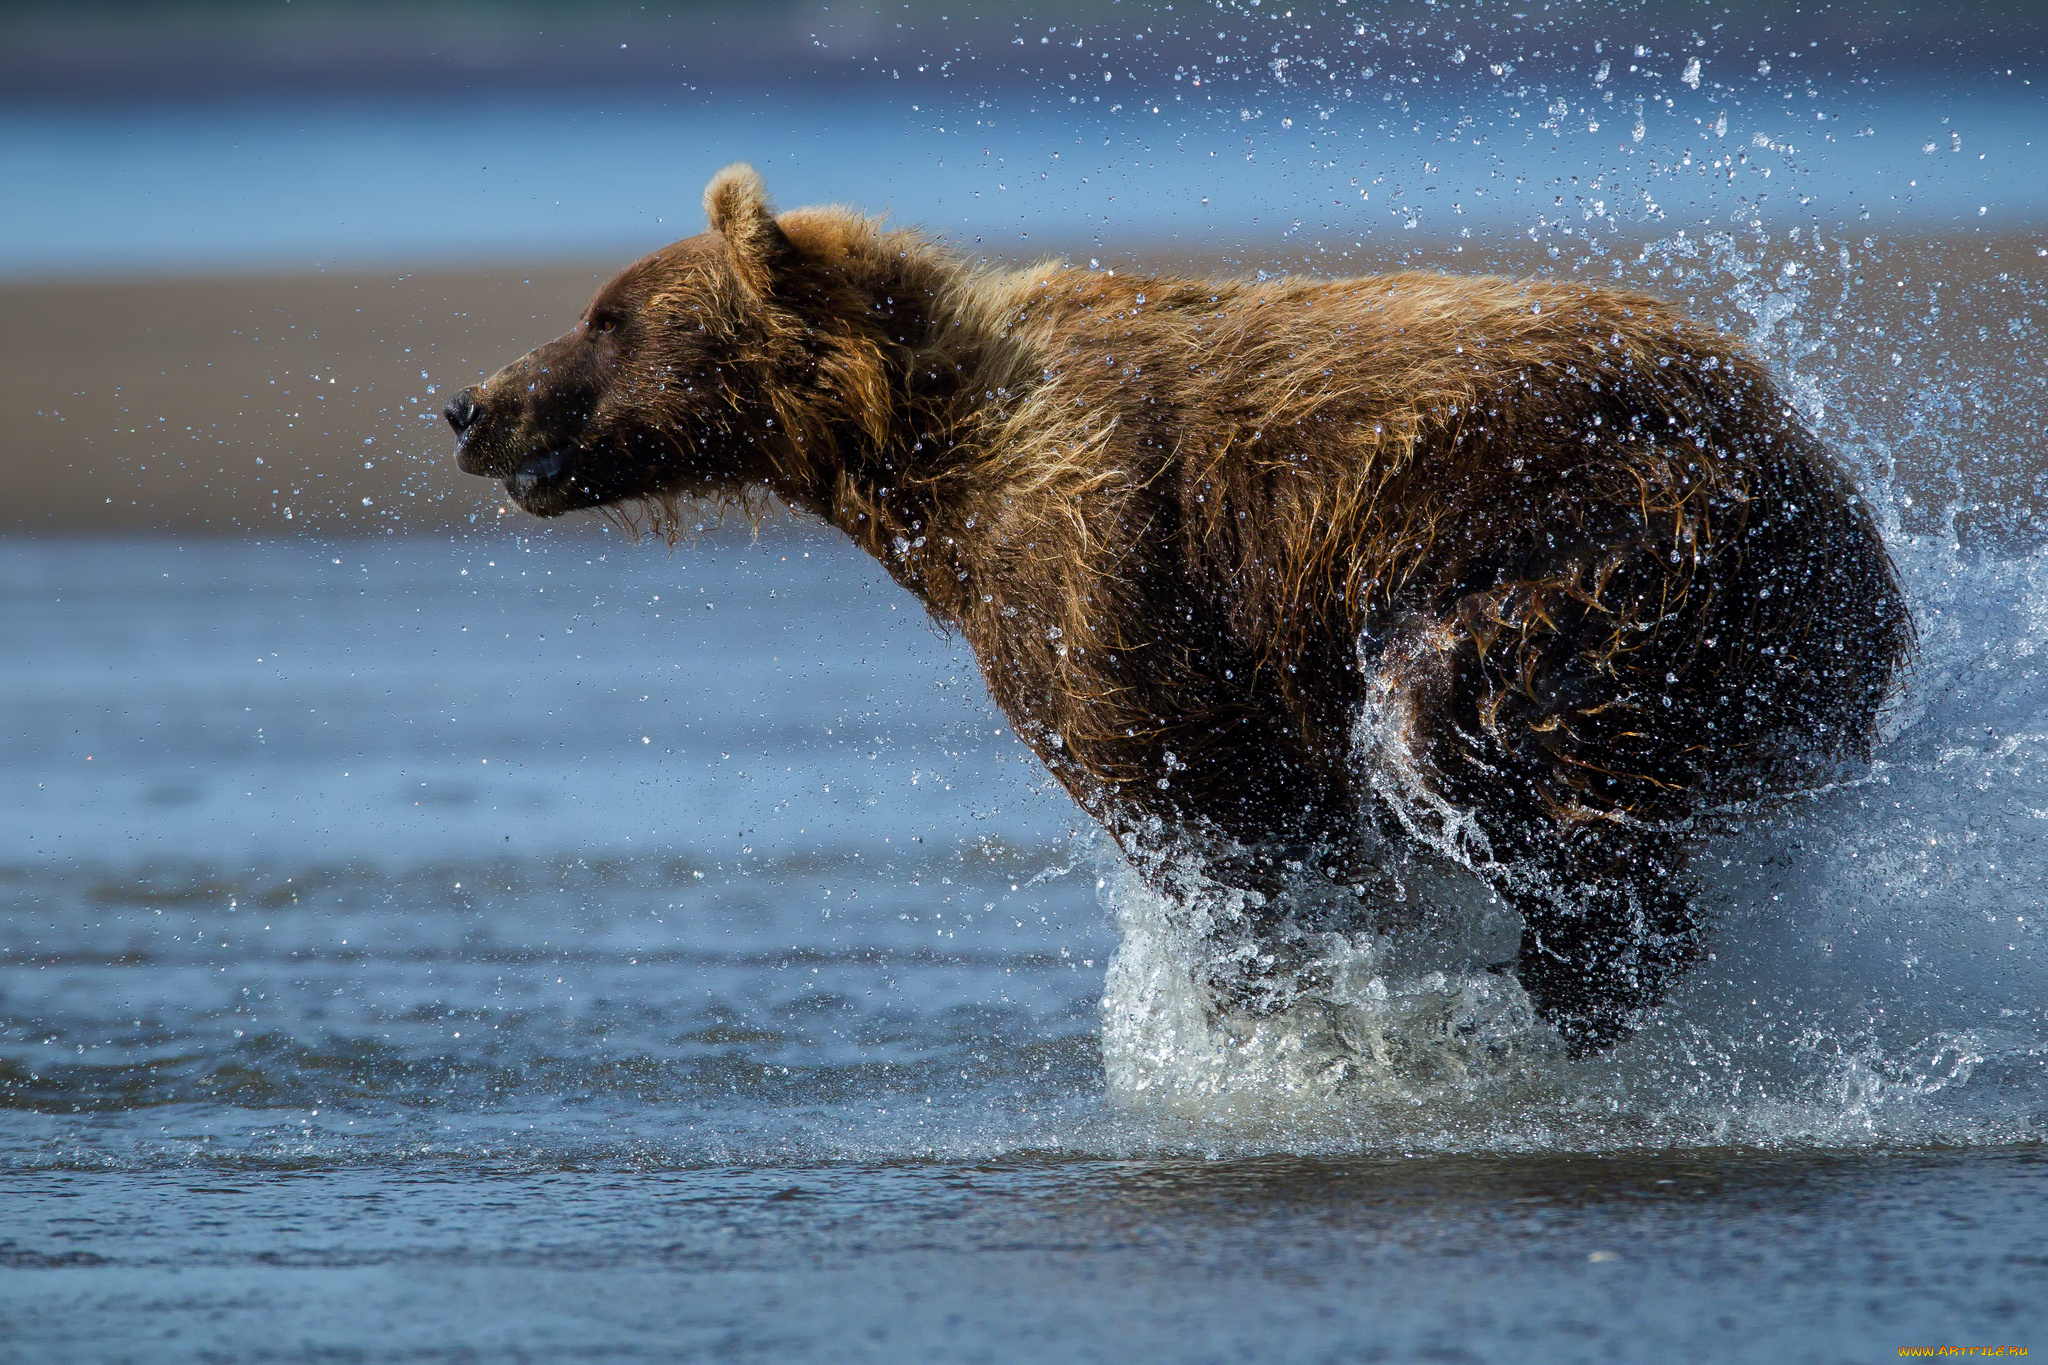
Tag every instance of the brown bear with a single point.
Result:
(1276, 577)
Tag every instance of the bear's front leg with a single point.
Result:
(1607, 930)
(1257, 872)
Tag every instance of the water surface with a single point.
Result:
(551, 949)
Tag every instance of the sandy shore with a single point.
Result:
(254, 406)
(283, 406)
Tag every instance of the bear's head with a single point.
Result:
(729, 359)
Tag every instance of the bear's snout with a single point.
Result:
(462, 411)
(465, 414)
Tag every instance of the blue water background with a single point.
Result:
(414, 182)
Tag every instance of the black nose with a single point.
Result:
(462, 411)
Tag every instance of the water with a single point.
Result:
(283, 186)
(497, 949)
(616, 824)
(1803, 1258)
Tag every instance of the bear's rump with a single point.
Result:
(1634, 668)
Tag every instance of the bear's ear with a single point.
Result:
(736, 202)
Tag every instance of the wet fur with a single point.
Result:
(1570, 554)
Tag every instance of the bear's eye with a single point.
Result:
(604, 324)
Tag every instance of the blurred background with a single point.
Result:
(272, 230)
